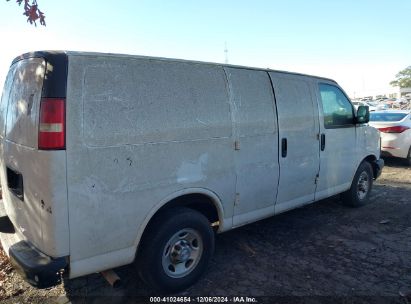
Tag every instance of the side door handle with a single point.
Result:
(284, 147)
(322, 142)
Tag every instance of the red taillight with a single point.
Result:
(396, 129)
(52, 127)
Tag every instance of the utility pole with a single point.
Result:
(226, 52)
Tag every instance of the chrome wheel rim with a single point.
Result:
(182, 253)
(363, 185)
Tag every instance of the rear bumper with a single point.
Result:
(36, 268)
(377, 167)
(394, 152)
(395, 144)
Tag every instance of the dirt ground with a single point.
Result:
(322, 253)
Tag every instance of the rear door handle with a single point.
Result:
(322, 142)
(284, 147)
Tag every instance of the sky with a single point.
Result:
(361, 44)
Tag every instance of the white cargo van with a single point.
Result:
(109, 159)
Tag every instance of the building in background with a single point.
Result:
(394, 92)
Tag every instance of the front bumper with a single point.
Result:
(377, 167)
(36, 268)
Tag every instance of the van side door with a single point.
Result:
(338, 140)
(298, 143)
(255, 143)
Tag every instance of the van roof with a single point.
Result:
(58, 53)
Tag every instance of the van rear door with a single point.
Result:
(20, 118)
(33, 180)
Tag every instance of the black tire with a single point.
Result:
(171, 236)
(359, 193)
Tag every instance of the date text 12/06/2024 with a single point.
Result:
(240, 299)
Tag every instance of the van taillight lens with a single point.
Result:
(396, 129)
(52, 127)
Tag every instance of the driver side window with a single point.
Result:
(337, 109)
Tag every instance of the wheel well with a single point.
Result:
(198, 202)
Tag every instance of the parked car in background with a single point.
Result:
(377, 105)
(395, 128)
(371, 107)
(381, 99)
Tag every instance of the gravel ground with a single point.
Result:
(322, 253)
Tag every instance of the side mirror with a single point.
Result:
(363, 115)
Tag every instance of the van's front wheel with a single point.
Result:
(359, 193)
(175, 250)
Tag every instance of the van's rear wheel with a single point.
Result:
(175, 250)
(359, 193)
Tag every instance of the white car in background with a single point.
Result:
(371, 108)
(372, 105)
(395, 128)
(379, 106)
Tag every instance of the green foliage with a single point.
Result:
(403, 79)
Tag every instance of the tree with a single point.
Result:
(32, 12)
(403, 79)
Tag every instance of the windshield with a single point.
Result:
(387, 116)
